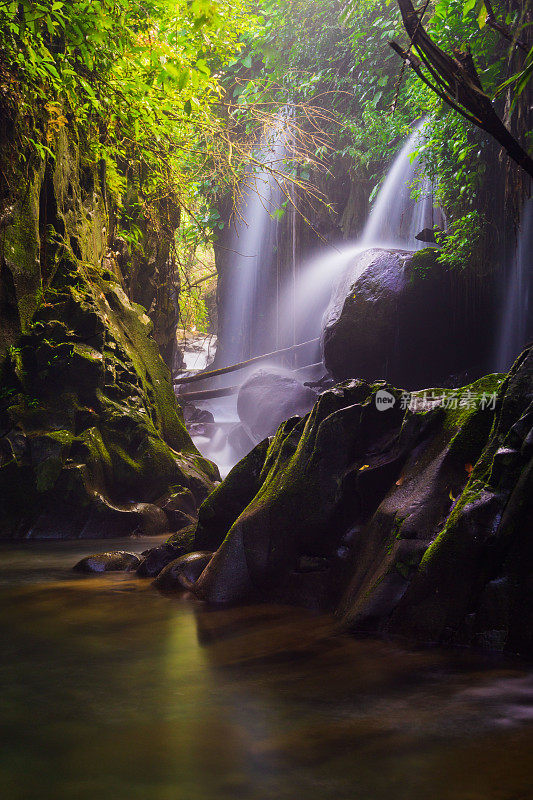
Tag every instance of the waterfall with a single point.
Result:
(251, 286)
(516, 323)
(395, 220)
(269, 303)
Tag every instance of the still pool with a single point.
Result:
(110, 690)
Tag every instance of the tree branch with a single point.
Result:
(457, 84)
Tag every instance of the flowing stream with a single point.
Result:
(113, 691)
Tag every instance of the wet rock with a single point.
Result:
(114, 561)
(414, 520)
(180, 509)
(218, 512)
(393, 316)
(475, 580)
(430, 235)
(155, 559)
(267, 398)
(192, 414)
(240, 439)
(181, 573)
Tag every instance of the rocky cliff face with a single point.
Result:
(92, 442)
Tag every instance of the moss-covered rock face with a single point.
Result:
(351, 483)
(92, 442)
(475, 582)
(416, 519)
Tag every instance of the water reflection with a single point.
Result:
(113, 691)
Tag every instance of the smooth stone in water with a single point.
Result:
(157, 559)
(183, 572)
(114, 561)
(268, 398)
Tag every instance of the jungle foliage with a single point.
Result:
(139, 80)
(170, 96)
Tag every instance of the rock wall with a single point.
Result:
(92, 442)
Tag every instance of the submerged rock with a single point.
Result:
(155, 559)
(394, 315)
(114, 561)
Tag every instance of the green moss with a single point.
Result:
(422, 263)
(21, 248)
(474, 439)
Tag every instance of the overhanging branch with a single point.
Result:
(456, 82)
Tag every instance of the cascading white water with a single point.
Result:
(296, 311)
(253, 226)
(394, 222)
(396, 218)
(516, 323)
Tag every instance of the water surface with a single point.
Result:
(110, 690)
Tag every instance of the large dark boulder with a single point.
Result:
(395, 315)
(225, 503)
(268, 397)
(318, 470)
(475, 581)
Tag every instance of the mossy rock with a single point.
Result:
(92, 437)
(420, 514)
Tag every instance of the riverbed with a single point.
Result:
(111, 690)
